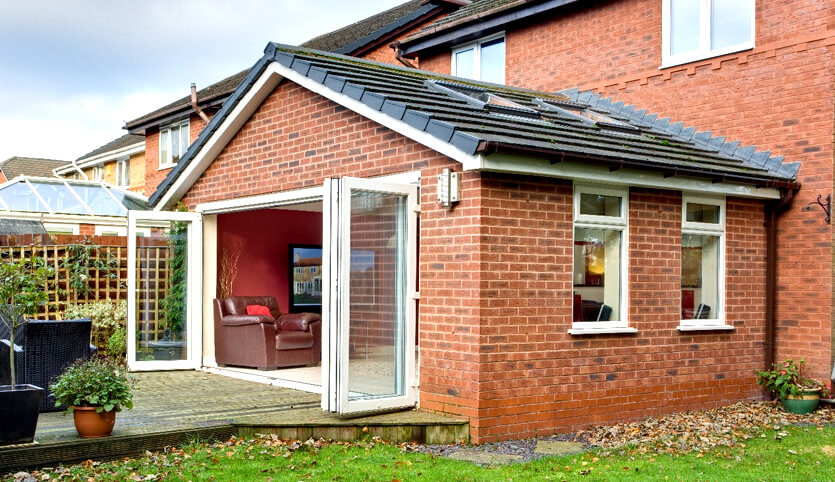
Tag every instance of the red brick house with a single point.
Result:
(574, 263)
(763, 73)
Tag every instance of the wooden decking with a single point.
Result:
(174, 407)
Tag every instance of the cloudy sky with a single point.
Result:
(73, 71)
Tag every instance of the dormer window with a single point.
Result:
(173, 142)
(700, 29)
(481, 60)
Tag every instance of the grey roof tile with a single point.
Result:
(29, 166)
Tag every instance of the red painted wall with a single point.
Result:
(264, 236)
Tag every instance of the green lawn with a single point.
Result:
(801, 453)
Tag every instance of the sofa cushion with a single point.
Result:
(258, 310)
(293, 340)
(236, 305)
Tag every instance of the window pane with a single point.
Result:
(492, 61)
(730, 22)
(20, 198)
(597, 265)
(99, 201)
(59, 198)
(600, 205)
(175, 144)
(685, 24)
(183, 139)
(163, 148)
(702, 213)
(464, 63)
(699, 277)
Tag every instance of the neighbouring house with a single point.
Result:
(15, 227)
(28, 166)
(762, 73)
(575, 261)
(68, 206)
(169, 130)
(120, 162)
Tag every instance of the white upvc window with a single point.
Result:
(60, 228)
(97, 174)
(699, 29)
(482, 60)
(703, 264)
(599, 301)
(173, 142)
(103, 230)
(123, 172)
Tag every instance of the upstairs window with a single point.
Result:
(97, 174)
(699, 29)
(481, 60)
(702, 262)
(173, 142)
(123, 172)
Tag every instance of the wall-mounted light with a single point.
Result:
(448, 188)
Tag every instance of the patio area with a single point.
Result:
(171, 408)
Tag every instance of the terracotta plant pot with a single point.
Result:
(92, 424)
(806, 402)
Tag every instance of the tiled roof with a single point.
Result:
(494, 117)
(122, 142)
(29, 166)
(20, 226)
(345, 40)
(473, 11)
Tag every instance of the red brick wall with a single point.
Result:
(780, 96)
(87, 229)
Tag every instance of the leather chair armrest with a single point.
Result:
(240, 320)
(296, 321)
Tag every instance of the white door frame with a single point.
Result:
(194, 322)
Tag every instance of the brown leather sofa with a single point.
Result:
(265, 342)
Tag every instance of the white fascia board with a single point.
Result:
(65, 218)
(105, 156)
(261, 201)
(624, 177)
(266, 83)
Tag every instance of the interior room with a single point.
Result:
(274, 253)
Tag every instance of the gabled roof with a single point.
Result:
(21, 226)
(481, 17)
(126, 140)
(29, 166)
(480, 119)
(352, 39)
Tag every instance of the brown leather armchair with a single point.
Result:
(265, 342)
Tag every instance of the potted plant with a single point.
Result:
(94, 390)
(22, 293)
(798, 392)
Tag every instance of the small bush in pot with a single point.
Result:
(94, 390)
(798, 392)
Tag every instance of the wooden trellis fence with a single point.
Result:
(152, 263)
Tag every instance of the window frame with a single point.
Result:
(476, 46)
(167, 163)
(704, 51)
(97, 173)
(123, 172)
(620, 223)
(707, 229)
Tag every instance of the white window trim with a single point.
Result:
(476, 46)
(609, 222)
(123, 171)
(97, 174)
(709, 229)
(73, 228)
(704, 51)
(168, 164)
(120, 230)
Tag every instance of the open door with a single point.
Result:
(368, 303)
(164, 290)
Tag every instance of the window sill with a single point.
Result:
(699, 56)
(166, 166)
(601, 331)
(706, 328)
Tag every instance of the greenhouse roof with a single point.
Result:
(68, 196)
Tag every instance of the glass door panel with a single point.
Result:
(164, 291)
(370, 312)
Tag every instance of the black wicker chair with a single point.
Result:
(44, 350)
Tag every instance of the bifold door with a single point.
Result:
(368, 306)
(164, 290)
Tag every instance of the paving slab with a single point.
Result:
(554, 447)
(482, 457)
